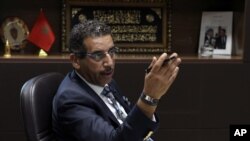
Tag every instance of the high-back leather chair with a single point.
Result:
(36, 105)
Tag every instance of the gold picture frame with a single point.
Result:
(136, 27)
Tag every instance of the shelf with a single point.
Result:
(128, 58)
(185, 59)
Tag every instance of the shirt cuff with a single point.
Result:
(153, 118)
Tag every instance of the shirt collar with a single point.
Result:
(96, 88)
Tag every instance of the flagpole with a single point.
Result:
(42, 53)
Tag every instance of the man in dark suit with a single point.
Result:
(221, 39)
(89, 106)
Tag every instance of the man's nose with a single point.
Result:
(108, 60)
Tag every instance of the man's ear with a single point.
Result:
(74, 61)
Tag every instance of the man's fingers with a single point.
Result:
(158, 64)
(153, 62)
(174, 74)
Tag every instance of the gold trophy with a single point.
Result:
(7, 51)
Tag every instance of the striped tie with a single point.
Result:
(107, 92)
(111, 99)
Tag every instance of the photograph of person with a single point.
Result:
(215, 37)
(221, 38)
(216, 33)
(209, 39)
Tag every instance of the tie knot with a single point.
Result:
(106, 91)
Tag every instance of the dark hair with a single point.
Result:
(209, 30)
(81, 31)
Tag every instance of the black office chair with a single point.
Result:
(36, 105)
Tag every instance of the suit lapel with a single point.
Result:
(95, 96)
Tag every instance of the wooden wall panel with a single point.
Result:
(203, 101)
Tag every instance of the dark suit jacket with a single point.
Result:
(79, 114)
(220, 43)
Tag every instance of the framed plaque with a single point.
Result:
(15, 31)
(136, 27)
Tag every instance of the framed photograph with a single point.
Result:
(216, 32)
(136, 27)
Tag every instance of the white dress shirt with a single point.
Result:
(98, 90)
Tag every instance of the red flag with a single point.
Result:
(41, 33)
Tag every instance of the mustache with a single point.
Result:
(107, 70)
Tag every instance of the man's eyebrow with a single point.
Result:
(100, 50)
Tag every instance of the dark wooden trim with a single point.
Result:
(122, 58)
